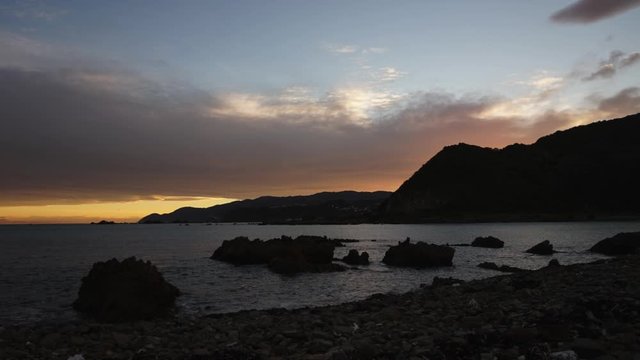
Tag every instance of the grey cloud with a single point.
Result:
(617, 61)
(587, 11)
(625, 102)
(71, 137)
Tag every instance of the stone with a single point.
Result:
(319, 346)
(419, 255)
(51, 340)
(488, 242)
(563, 355)
(115, 291)
(122, 339)
(502, 268)
(588, 348)
(442, 281)
(543, 248)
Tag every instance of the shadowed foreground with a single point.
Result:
(592, 310)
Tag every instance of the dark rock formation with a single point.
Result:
(419, 255)
(130, 290)
(620, 244)
(585, 172)
(354, 258)
(543, 248)
(284, 255)
(327, 207)
(502, 268)
(488, 242)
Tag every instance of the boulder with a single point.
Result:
(419, 255)
(283, 255)
(130, 290)
(620, 244)
(354, 258)
(502, 268)
(543, 248)
(488, 242)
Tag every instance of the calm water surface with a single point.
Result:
(41, 265)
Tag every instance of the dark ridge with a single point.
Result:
(327, 207)
(584, 173)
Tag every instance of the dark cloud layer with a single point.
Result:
(72, 137)
(587, 11)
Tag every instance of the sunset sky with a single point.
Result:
(113, 109)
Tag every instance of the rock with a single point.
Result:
(502, 268)
(122, 339)
(588, 348)
(620, 244)
(51, 340)
(130, 290)
(284, 255)
(563, 355)
(353, 258)
(438, 282)
(553, 263)
(419, 255)
(488, 242)
(543, 248)
(319, 346)
(521, 336)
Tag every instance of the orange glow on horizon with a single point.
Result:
(127, 211)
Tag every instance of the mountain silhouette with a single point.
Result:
(326, 207)
(586, 172)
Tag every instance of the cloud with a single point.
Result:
(342, 49)
(617, 61)
(354, 49)
(70, 136)
(625, 102)
(587, 11)
(388, 74)
(32, 9)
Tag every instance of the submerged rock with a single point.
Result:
(295, 263)
(419, 254)
(488, 242)
(502, 268)
(354, 258)
(445, 281)
(543, 248)
(283, 255)
(620, 244)
(130, 290)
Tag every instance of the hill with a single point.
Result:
(586, 172)
(322, 208)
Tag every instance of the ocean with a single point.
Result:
(41, 266)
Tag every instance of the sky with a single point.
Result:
(116, 109)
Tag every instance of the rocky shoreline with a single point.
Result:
(560, 312)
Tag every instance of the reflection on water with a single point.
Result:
(41, 265)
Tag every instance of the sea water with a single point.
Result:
(41, 266)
